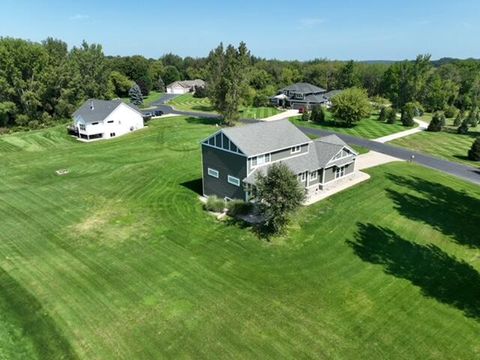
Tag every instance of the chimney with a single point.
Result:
(91, 105)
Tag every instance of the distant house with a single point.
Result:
(184, 87)
(105, 119)
(232, 158)
(303, 96)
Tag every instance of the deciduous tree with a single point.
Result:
(351, 105)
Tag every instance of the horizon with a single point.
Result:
(372, 32)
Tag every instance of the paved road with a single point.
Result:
(462, 171)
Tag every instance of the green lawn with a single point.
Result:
(117, 260)
(369, 128)
(447, 144)
(187, 102)
(147, 101)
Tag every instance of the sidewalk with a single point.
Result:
(282, 115)
(422, 126)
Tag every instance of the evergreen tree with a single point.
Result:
(382, 115)
(437, 122)
(318, 115)
(474, 152)
(463, 128)
(473, 117)
(458, 119)
(136, 96)
(305, 115)
(160, 84)
(391, 116)
(407, 114)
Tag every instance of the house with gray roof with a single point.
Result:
(303, 96)
(233, 157)
(105, 119)
(185, 86)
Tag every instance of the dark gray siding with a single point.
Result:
(226, 163)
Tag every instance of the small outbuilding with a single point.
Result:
(105, 119)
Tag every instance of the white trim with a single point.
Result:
(293, 149)
(240, 151)
(252, 169)
(284, 148)
(233, 180)
(213, 173)
(232, 152)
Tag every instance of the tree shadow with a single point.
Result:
(204, 121)
(26, 311)
(440, 276)
(450, 211)
(194, 185)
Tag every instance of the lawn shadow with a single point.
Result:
(204, 121)
(28, 313)
(194, 185)
(450, 211)
(440, 276)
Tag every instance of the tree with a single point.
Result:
(347, 76)
(200, 92)
(227, 80)
(382, 115)
(119, 85)
(391, 116)
(170, 74)
(305, 115)
(408, 114)
(160, 84)
(351, 105)
(279, 194)
(318, 114)
(437, 123)
(458, 119)
(463, 128)
(136, 96)
(473, 117)
(474, 152)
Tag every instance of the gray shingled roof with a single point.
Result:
(265, 136)
(101, 109)
(331, 94)
(188, 83)
(305, 88)
(321, 151)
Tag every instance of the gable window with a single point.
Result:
(295, 149)
(211, 141)
(313, 175)
(212, 172)
(233, 180)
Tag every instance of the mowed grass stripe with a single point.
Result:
(120, 254)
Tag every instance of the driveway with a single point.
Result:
(373, 158)
(422, 126)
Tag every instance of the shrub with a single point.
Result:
(382, 115)
(305, 115)
(239, 207)
(379, 102)
(408, 113)
(474, 152)
(215, 204)
(451, 112)
(437, 123)
(473, 117)
(463, 128)
(260, 100)
(391, 116)
(200, 92)
(458, 119)
(318, 115)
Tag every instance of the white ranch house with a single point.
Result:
(184, 87)
(105, 119)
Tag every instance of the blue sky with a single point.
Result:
(300, 29)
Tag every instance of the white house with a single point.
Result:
(104, 119)
(183, 87)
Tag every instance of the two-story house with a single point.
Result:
(303, 96)
(232, 158)
(105, 119)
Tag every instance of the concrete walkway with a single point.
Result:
(422, 126)
(282, 115)
(373, 158)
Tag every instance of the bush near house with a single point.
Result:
(214, 204)
(239, 207)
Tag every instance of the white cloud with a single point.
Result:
(308, 23)
(79, 17)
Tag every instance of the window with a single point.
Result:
(213, 172)
(313, 175)
(112, 134)
(296, 149)
(226, 143)
(95, 123)
(110, 121)
(254, 161)
(233, 180)
(261, 159)
(340, 172)
(302, 177)
(82, 127)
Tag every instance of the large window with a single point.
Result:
(302, 177)
(82, 127)
(261, 159)
(233, 180)
(213, 172)
(313, 175)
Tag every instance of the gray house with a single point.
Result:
(303, 96)
(232, 158)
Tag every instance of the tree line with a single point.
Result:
(42, 83)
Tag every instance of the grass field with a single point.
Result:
(369, 128)
(117, 260)
(447, 144)
(189, 103)
(147, 101)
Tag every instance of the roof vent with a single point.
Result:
(91, 105)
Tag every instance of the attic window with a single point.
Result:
(110, 121)
(95, 123)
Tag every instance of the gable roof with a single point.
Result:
(265, 136)
(305, 88)
(101, 109)
(331, 94)
(188, 83)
